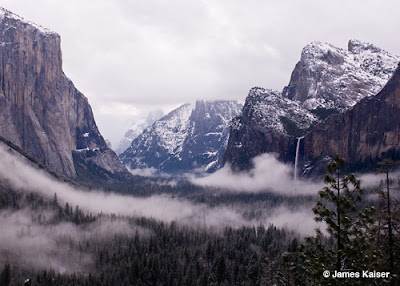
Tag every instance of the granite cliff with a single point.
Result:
(363, 135)
(327, 80)
(40, 109)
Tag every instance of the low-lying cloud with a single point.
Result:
(22, 234)
(162, 207)
(26, 241)
(29, 243)
(301, 220)
(268, 175)
(370, 180)
(144, 172)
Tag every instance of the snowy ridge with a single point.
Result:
(327, 78)
(268, 108)
(4, 13)
(190, 137)
(334, 78)
(161, 140)
(173, 129)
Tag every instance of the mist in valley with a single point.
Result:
(268, 175)
(29, 238)
(41, 245)
(25, 178)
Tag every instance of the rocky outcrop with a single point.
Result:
(328, 77)
(41, 111)
(363, 135)
(189, 137)
(327, 80)
(269, 123)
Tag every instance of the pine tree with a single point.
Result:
(55, 200)
(337, 207)
(349, 245)
(385, 166)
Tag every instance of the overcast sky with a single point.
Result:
(132, 56)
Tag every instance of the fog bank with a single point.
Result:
(25, 178)
(268, 175)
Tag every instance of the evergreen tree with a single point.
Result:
(349, 245)
(385, 166)
(337, 208)
(55, 200)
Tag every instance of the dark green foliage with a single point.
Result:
(388, 217)
(168, 254)
(353, 240)
(337, 208)
(172, 254)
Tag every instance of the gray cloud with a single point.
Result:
(146, 53)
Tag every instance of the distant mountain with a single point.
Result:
(40, 109)
(327, 80)
(189, 137)
(136, 129)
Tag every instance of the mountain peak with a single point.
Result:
(334, 78)
(326, 80)
(319, 49)
(356, 47)
(5, 14)
(190, 137)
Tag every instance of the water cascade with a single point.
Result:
(297, 155)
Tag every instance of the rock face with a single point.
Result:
(189, 137)
(326, 80)
(41, 111)
(363, 135)
(333, 78)
(269, 124)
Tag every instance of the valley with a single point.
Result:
(275, 190)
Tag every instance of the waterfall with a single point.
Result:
(297, 155)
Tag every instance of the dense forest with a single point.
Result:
(362, 234)
(169, 254)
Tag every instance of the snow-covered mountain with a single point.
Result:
(189, 137)
(270, 108)
(326, 80)
(136, 129)
(333, 78)
(363, 135)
